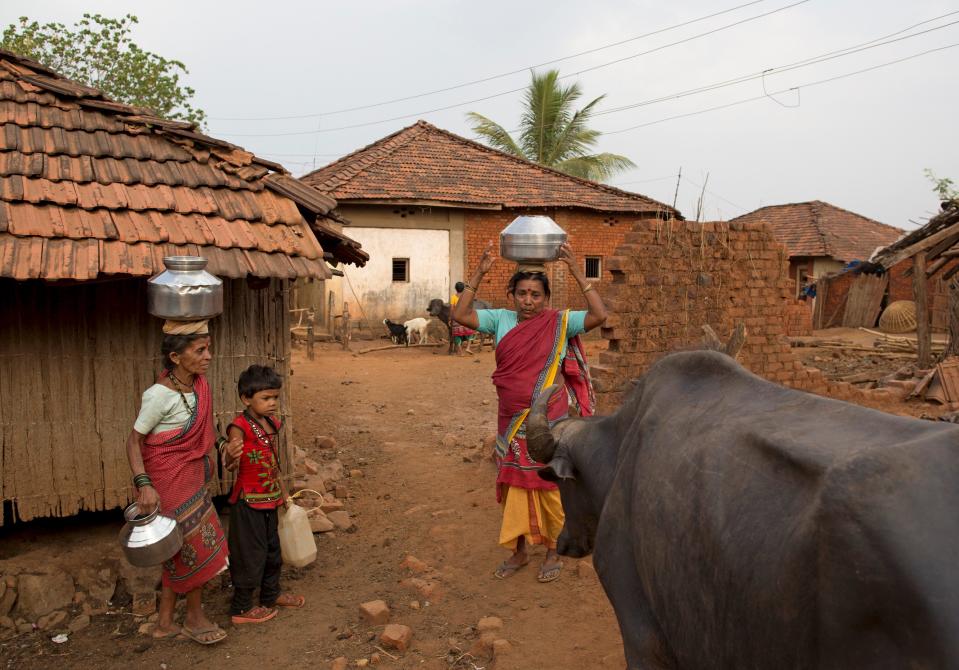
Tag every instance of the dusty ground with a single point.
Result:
(389, 412)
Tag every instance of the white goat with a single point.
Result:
(418, 326)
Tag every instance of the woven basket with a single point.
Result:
(899, 317)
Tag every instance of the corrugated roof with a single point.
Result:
(423, 162)
(92, 187)
(817, 228)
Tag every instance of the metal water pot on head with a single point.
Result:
(185, 291)
(531, 239)
(149, 539)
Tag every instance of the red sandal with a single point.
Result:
(258, 614)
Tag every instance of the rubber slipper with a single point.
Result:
(258, 614)
(507, 569)
(196, 634)
(289, 600)
(549, 575)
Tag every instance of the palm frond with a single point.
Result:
(595, 167)
(494, 134)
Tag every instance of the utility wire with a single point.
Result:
(492, 77)
(814, 60)
(784, 90)
(523, 88)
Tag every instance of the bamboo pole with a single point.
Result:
(923, 333)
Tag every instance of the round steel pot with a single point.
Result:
(185, 291)
(150, 539)
(531, 239)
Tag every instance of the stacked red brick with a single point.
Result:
(672, 278)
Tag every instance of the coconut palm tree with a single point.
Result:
(552, 133)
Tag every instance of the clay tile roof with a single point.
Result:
(819, 229)
(92, 187)
(423, 162)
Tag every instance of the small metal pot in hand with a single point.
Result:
(149, 539)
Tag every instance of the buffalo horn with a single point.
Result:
(540, 443)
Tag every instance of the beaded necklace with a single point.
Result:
(268, 440)
(179, 386)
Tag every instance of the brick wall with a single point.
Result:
(671, 278)
(590, 234)
(798, 318)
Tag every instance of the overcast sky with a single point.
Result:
(860, 142)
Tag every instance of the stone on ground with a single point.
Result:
(324, 442)
(42, 594)
(375, 613)
(98, 584)
(489, 623)
(413, 564)
(339, 663)
(397, 636)
(501, 648)
(52, 620)
(319, 522)
(341, 519)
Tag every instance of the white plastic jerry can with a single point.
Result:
(297, 544)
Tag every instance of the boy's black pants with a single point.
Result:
(254, 556)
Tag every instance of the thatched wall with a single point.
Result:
(74, 361)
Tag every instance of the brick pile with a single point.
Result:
(670, 278)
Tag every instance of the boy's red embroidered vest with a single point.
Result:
(258, 476)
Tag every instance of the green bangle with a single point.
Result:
(141, 480)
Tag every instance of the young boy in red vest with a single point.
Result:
(253, 451)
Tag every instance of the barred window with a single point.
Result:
(401, 269)
(594, 267)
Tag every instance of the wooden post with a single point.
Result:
(952, 348)
(310, 336)
(923, 334)
(346, 325)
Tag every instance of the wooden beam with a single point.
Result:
(923, 334)
(935, 266)
(942, 246)
(921, 245)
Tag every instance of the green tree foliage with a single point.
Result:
(99, 52)
(944, 187)
(552, 132)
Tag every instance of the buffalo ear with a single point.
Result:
(557, 469)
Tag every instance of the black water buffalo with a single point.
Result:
(739, 524)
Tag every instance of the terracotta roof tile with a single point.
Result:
(92, 187)
(423, 162)
(817, 228)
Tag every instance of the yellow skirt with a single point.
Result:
(535, 514)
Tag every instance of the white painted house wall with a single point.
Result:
(381, 298)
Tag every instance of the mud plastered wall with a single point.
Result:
(670, 278)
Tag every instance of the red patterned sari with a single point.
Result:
(180, 468)
(527, 361)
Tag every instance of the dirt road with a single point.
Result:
(389, 412)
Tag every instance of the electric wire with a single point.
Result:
(522, 88)
(784, 90)
(483, 80)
